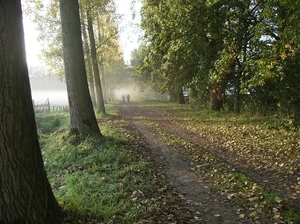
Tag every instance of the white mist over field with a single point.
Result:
(44, 87)
(56, 97)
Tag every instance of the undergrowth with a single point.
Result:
(102, 180)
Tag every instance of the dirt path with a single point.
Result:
(209, 206)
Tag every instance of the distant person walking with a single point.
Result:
(128, 98)
(123, 98)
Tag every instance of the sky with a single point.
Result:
(128, 35)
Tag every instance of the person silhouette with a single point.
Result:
(128, 98)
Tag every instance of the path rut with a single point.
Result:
(198, 193)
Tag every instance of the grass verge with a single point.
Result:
(104, 180)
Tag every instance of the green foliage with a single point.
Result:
(230, 47)
(50, 122)
(46, 18)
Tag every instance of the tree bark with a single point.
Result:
(181, 97)
(101, 65)
(104, 89)
(100, 101)
(90, 75)
(216, 101)
(82, 115)
(25, 193)
(237, 91)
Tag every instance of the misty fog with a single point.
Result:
(45, 87)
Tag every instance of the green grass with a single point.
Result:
(90, 178)
(102, 180)
(50, 122)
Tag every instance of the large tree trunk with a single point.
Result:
(100, 101)
(216, 99)
(181, 96)
(25, 193)
(83, 119)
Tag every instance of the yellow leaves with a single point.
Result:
(61, 203)
(287, 51)
(288, 46)
(261, 82)
(273, 63)
(283, 55)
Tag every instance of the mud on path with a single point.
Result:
(198, 192)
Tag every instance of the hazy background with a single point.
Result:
(44, 86)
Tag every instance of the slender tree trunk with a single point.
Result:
(89, 68)
(83, 119)
(105, 93)
(25, 193)
(100, 101)
(237, 91)
(104, 87)
(91, 79)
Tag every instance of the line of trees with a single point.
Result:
(243, 55)
(105, 67)
(25, 192)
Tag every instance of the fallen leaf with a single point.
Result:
(278, 200)
(242, 216)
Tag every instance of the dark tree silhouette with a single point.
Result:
(25, 193)
(83, 119)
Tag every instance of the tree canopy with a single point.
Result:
(243, 55)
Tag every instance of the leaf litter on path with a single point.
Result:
(185, 163)
(205, 205)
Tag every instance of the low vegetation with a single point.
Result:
(104, 180)
(108, 180)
